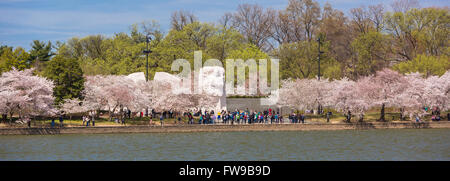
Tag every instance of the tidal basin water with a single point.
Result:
(388, 144)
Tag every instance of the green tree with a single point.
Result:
(250, 52)
(223, 41)
(299, 60)
(123, 55)
(427, 65)
(181, 44)
(67, 76)
(4, 47)
(40, 52)
(18, 58)
(371, 53)
(419, 31)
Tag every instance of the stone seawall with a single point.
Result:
(217, 128)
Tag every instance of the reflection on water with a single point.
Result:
(389, 144)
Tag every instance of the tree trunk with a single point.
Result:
(402, 114)
(110, 115)
(382, 113)
(11, 117)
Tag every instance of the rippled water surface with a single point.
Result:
(389, 144)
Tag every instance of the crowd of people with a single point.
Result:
(267, 116)
(241, 117)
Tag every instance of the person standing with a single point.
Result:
(61, 121)
(328, 116)
(161, 120)
(189, 118)
(213, 118)
(92, 114)
(28, 122)
(295, 118)
(349, 116)
(261, 117)
(53, 122)
(245, 118)
(232, 118)
(218, 116)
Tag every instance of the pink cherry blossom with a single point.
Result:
(25, 94)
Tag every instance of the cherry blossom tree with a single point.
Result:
(350, 97)
(413, 99)
(421, 92)
(112, 93)
(72, 106)
(25, 94)
(444, 81)
(304, 93)
(382, 89)
(437, 92)
(163, 98)
(410, 93)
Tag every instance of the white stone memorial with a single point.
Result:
(212, 82)
(137, 76)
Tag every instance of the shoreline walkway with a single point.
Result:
(182, 128)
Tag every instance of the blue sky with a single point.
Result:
(22, 21)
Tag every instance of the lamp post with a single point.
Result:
(318, 57)
(319, 107)
(147, 51)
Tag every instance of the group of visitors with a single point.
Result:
(267, 116)
(120, 121)
(207, 117)
(52, 124)
(235, 117)
(436, 114)
(297, 118)
(88, 120)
